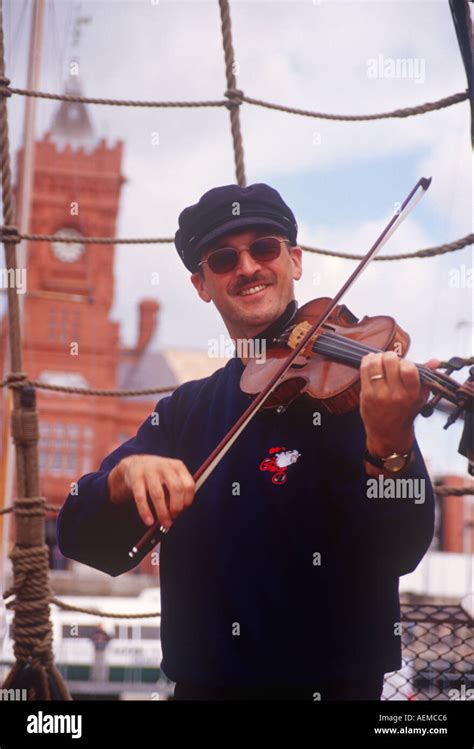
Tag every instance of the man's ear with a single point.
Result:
(197, 280)
(296, 254)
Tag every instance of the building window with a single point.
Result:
(65, 449)
(63, 324)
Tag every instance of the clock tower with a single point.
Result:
(76, 193)
(68, 336)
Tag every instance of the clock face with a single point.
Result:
(71, 251)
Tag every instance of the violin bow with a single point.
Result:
(151, 537)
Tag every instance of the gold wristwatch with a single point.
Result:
(393, 463)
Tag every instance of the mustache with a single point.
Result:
(255, 281)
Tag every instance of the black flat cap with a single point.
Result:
(229, 208)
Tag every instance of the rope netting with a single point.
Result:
(30, 595)
(10, 234)
(235, 98)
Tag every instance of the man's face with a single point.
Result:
(245, 315)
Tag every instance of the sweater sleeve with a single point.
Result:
(93, 530)
(397, 517)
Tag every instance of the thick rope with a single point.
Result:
(441, 249)
(447, 101)
(32, 630)
(47, 507)
(32, 626)
(84, 609)
(11, 234)
(8, 90)
(10, 240)
(234, 99)
(411, 613)
(17, 380)
(239, 96)
(97, 612)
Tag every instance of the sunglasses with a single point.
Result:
(262, 250)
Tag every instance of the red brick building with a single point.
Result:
(68, 336)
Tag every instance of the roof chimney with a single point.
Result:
(147, 322)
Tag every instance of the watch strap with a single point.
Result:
(380, 462)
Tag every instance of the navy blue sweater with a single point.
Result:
(283, 570)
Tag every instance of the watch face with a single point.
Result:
(396, 463)
(69, 252)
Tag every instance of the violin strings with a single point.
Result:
(355, 350)
(358, 348)
(427, 375)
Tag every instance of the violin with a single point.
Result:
(326, 368)
(319, 354)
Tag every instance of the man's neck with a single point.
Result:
(263, 338)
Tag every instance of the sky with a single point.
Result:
(341, 179)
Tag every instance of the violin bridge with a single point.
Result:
(296, 336)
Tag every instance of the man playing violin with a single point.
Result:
(279, 577)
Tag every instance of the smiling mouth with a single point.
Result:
(253, 290)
